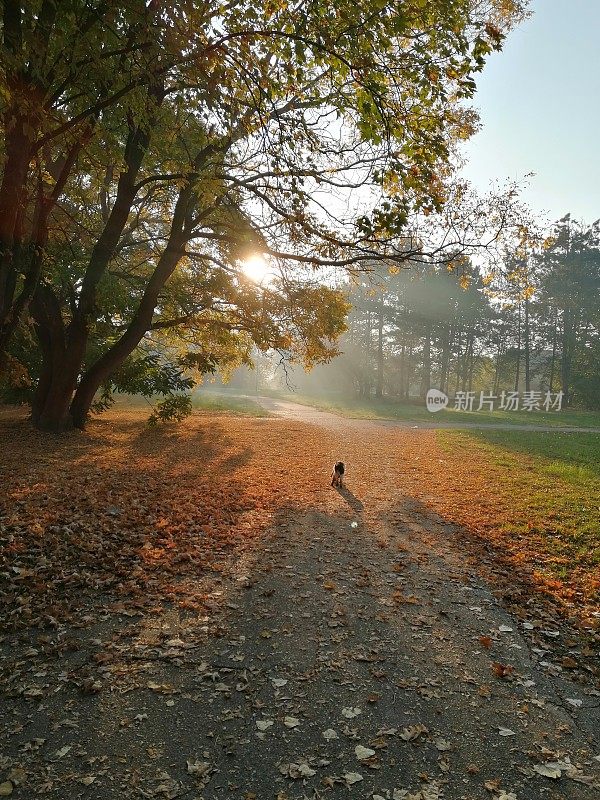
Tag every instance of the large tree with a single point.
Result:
(149, 149)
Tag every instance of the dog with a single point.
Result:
(337, 476)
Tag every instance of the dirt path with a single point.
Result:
(351, 651)
(287, 409)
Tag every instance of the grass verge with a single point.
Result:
(240, 406)
(542, 492)
(210, 402)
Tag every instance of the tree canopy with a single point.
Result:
(149, 148)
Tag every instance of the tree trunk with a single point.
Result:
(426, 373)
(18, 149)
(54, 392)
(445, 360)
(553, 359)
(518, 357)
(527, 347)
(142, 319)
(467, 359)
(497, 370)
(458, 362)
(28, 260)
(402, 369)
(66, 349)
(471, 369)
(379, 386)
(567, 355)
(409, 370)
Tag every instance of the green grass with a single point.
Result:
(242, 406)
(574, 457)
(552, 480)
(416, 412)
(202, 401)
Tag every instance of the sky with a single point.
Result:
(539, 103)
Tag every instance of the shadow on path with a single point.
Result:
(353, 501)
(327, 640)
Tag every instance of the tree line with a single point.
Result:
(530, 324)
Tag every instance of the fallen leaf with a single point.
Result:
(413, 732)
(442, 744)
(502, 670)
(198, 767)
(352, 777)
(548, 770)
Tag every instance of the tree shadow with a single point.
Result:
(235, 461)
(518, 584)
(347, 620)
(130, 512)
(168, 443)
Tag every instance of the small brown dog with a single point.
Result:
(337, 476)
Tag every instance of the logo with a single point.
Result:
(509, 401)
(436, 400)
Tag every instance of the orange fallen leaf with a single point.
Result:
(502, 670)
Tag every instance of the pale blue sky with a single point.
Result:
(539, 102)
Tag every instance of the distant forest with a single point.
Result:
(532, 324)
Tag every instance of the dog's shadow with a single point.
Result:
(353, 501)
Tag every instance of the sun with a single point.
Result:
(256, 268)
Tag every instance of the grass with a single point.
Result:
(574, 457)
(212, 402)
(240, 406)
(547, 487)
(416, 412)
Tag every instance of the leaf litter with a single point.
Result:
(98, 586)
